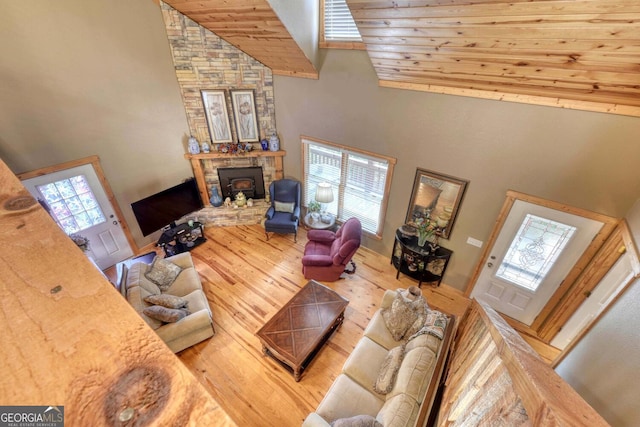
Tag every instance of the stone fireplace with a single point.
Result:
(205, 169)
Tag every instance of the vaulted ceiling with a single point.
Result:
(253, 27)
(581, 54)
(558, 52)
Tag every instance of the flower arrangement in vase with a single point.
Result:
(314, 209)
(427, 229)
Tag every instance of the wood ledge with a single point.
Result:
(573, 104)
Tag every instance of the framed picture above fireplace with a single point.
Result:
(215, 107)
(244, 111)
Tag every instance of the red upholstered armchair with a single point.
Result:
(326, 254)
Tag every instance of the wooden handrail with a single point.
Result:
(70, 339)
(495, 375)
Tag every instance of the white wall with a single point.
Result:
(604, 367)
(302, 20)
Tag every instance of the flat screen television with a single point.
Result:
(161, 209)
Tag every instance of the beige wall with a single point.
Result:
(585, 159)
(85, 78)
(592, 366)
(81, 78)
(603, 367)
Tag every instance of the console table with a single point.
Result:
(418, 262)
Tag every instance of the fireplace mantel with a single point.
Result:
(198, 171)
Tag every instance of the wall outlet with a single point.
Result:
(474, 242)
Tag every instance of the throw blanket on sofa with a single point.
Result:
(434, 325)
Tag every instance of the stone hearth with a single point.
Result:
(229, 216)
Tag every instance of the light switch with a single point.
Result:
(474, 242)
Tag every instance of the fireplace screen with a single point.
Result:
(244, 185)
(249, 180)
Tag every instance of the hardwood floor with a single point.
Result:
(247, 279)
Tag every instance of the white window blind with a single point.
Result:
(338, 22)
(359, 182)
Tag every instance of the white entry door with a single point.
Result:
(533, 253)
(76, 200)
(609, 287)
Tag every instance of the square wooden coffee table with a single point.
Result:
(298, 330)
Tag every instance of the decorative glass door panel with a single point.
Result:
(534, 250)
(72, 204)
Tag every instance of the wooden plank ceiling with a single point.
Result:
(253, 27)
(582, 54)
(572, 53)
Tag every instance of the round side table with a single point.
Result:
(319, 224)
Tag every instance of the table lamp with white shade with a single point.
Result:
(324, 195)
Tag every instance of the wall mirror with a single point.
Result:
(437, 197)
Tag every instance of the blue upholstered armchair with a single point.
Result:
(284, 214)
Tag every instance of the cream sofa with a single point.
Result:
(418, 377)
(190, 330)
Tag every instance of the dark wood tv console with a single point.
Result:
(181, 238)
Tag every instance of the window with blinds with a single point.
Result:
(360, 181)
(338, 22)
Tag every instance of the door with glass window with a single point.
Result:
(534, 251)
(76, 200)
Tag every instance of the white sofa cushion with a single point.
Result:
(377, 331)
(186, 282)
(347, 398)
(425, 340)
(196, 301)
(194, 323)
(398, 411)
(415, 374)
(135, 277)
(182, 260)
(364, 362)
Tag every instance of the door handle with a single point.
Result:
(115, 222)
(489, 264)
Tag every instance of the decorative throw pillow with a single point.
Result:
(421, 317)
(162, 273)
(166, 300)
(164, 314)
(284, 207)
(406, 314)
(389, 370)
(357, 421)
